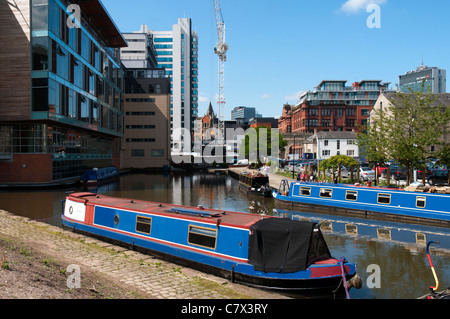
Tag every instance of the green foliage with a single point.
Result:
(255, 145)
(339, 160)
(405, 130)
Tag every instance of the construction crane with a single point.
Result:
(221, 50)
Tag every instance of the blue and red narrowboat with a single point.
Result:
(368, 202)
(97, 176)
(263, 251)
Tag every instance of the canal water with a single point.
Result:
(391, 257)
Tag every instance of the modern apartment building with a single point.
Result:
(435, 80)
(176, 50)
(332, 106)
(61, 90)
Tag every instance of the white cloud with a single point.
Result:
(203, 99)
(266, 96)
(294, 97)
(353, 6)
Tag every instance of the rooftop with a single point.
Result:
(102, 22)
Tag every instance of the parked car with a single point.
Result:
(399, 174)
(366, 174)
(346, 172)
(380, 169)
(438, 177)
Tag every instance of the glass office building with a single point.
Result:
(434, 80)
(73, 118)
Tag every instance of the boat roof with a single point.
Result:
(200, 214)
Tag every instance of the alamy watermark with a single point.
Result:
(374, 20)
(74, 18)
(374, 279)
(74, 276)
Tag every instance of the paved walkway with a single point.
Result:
(156, 278)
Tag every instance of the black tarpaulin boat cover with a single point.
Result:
(279, 245)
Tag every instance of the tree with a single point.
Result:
(443, 156)
(256, 146)
(337, 162)
(405, 130)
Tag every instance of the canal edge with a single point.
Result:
(133, 270)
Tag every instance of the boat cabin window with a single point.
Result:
(326, 192)
(351, 195)
(306, 191)
(143, 224)
(201, 236)
(420, 201)
(384, 198)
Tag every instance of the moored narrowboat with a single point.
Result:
(255, 183)
(263, 251)
(98, 176)
(368, 202)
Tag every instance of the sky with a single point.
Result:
(278, 49)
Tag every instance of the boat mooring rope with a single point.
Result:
(342, 261)
(432, 267)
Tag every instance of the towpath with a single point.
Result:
(155, 279)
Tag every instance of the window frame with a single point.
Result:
(189, 239)
(348, 192)
(149, 224)
(383, 195)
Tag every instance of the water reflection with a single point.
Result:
(405, 272)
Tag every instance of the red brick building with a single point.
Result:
(332, 106)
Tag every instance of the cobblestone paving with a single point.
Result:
(157, 278)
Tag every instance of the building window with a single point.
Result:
(40, 94)
(139, 140)
(40, 53)
(39, 15)
(157, 153)
(140, 126)
(137, 153)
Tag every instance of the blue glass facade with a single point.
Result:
(76, 109)
(76, 79)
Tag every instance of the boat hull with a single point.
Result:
(266, 192)
(396, 210)
(99, 222)
(318, 285)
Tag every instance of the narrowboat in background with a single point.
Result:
(368, 202)
(255, 183)
(263, 251)
(98, 176)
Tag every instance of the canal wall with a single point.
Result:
(134, 271)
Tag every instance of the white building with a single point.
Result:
(327, 144)
(177, 51)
